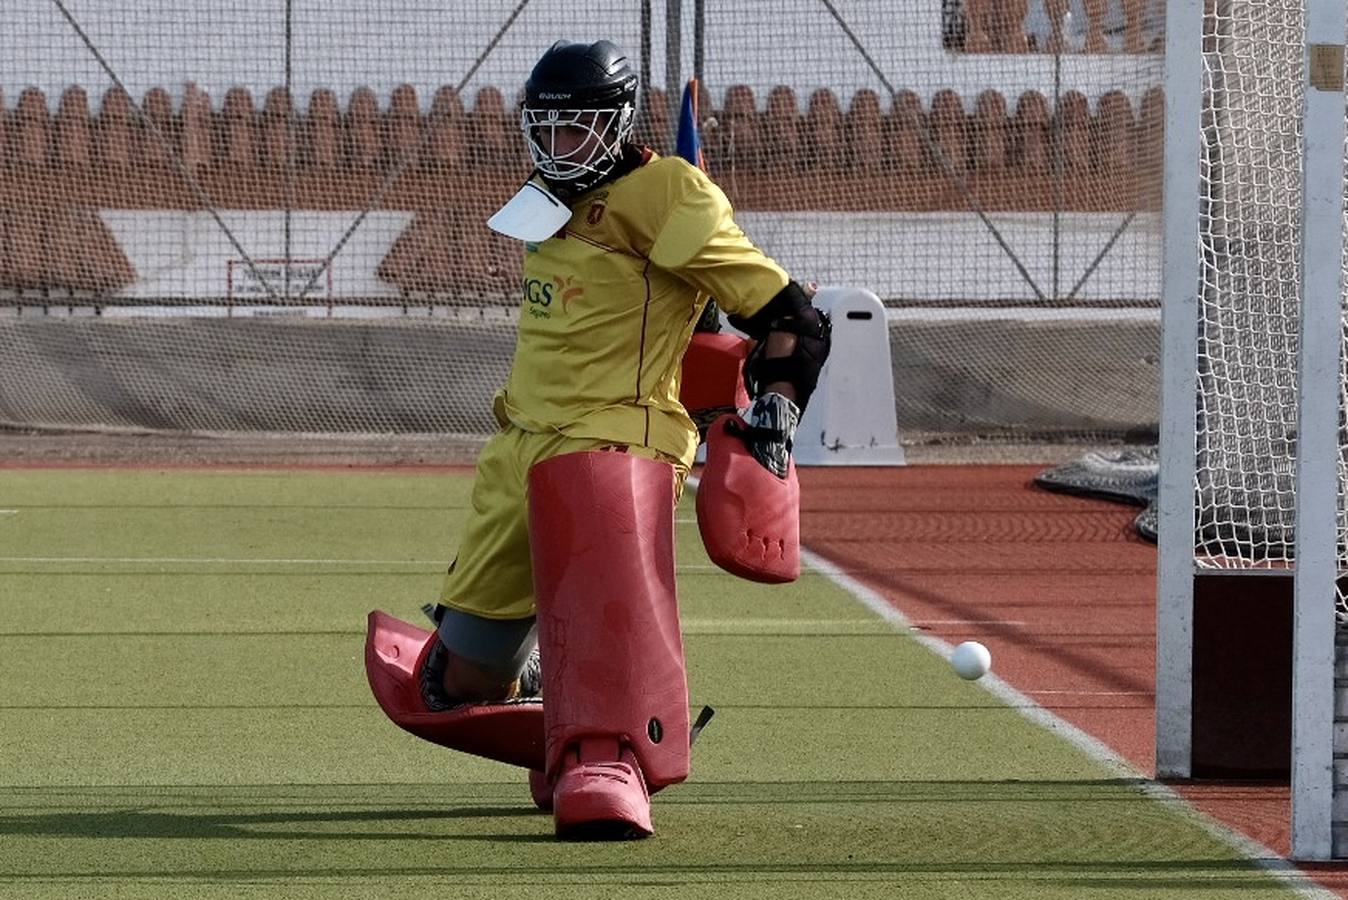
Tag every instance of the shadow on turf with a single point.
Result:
(135, 823)
(1131, 876)
(1235, 876)
(138, 818)
(413, 822)
(142, 821)
(914, 791)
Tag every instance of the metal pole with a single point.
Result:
(645, 45)
(673, 56)
(290, 143)
(699, 37)
(1320, 337)
(1057, 175)
(1179, 377)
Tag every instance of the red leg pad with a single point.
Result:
(713, 373)
(540, 789)
(602, 538)
(395, 651)
(749, 518)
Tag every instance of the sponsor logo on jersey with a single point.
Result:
(539, 294)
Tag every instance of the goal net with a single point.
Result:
(1250, 265)
(1255, 274)
(266, 218)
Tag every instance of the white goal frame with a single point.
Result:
(1320, 336)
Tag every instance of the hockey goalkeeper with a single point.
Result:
(564, 579)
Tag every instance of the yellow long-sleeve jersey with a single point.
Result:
(610, 303)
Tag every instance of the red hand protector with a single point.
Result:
(749, 518)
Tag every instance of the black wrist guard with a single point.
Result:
(790, 311)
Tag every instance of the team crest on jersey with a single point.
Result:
(597, 207)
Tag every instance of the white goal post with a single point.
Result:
(1253, 386)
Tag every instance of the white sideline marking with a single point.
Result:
(1091, 693)
(923, 623)
(9, 512)
(1262, 857)
(753, 624)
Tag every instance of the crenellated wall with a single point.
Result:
(65, 158)
(1103, 26)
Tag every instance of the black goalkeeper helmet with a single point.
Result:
(588, 86)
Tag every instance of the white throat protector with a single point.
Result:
(532, 215)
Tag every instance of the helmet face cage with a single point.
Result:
(607, 130)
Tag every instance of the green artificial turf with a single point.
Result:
(184, 713)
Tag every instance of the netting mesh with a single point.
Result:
(1250, 272)
(1250, 296)
(269, 217)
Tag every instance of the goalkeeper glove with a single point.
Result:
(771, 431)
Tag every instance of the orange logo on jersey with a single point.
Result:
(596, 212)
(569, 289)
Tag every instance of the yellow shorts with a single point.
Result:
(492, 576)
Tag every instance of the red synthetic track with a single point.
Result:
(1059, 588)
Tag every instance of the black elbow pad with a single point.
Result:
(789, 301)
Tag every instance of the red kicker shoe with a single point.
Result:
(601, 794)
